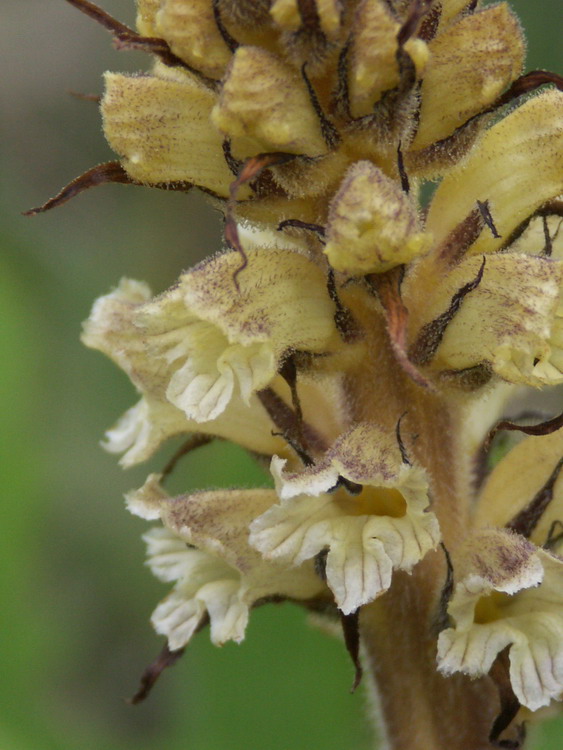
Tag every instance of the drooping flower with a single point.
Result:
(202, 345)
(509, 595)
(362, 508)
(203, 546)
(154, 419)
(198, 354)
(509, 589)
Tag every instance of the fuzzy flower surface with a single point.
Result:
(361, 341)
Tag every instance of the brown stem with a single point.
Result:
(420, 709)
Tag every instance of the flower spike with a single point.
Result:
(360, 337)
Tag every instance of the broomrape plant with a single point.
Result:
(361, 341)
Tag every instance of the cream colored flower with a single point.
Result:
(372, 224)
(509, 594)
(509, 591)
(265, 106)
(143, 428)
(387, 525)
(486, 50)
(140, 432)
(192, 33)
(512, 321)
(374, 68)
(204, 343)
(516, 166)
(203, 546)
(159, 125)
(470, 305)
(518, 478)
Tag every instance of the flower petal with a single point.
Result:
(220, 577)
(366, 454)
(217, 523)
(142, 430)
(387, 525)
(265, 106)
(112, 329)
(166, 555)
(485, 50)
(517, 479)
(184, 610)
(227, 610)
(509, 593)
(146, 426)
(160, 125)
(516, 166)
(373, 66)
(216, 337)
(178, 617)
(513, 319)
(206, 586)
(204, 343)
(192, 33)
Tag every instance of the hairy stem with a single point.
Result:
(420, 708)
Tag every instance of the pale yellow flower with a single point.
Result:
(361, 342)
(472, 302)
(377, 521)
(509, 595)
(509, 592)
(218, 574)
(372, 226)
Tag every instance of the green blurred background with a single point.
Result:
(75, 595)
